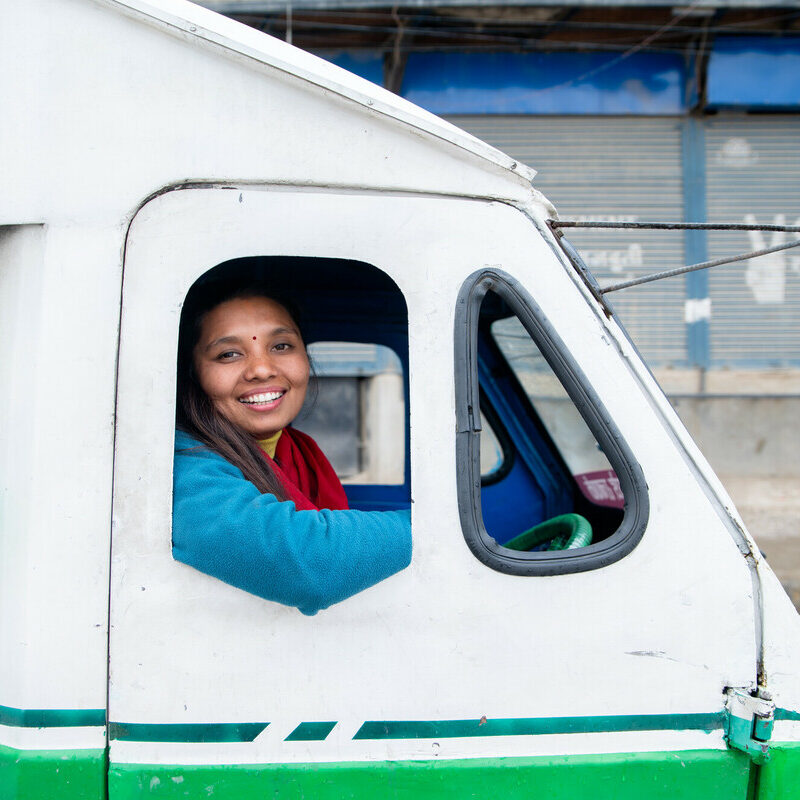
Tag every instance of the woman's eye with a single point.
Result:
(282, 347)
(227, 355)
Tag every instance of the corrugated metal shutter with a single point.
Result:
(617, 168)
(753, 174)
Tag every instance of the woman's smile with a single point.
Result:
(251, 362)
(263, 401)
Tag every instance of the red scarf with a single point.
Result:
(305, 474)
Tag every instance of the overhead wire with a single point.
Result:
(627, 54)
(526, 36)
(716, 262)
(488, 37)
(739, 26)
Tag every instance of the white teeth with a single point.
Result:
(266, 397)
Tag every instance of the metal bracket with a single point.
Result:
(748, 722)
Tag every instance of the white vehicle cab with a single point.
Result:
(148, 142)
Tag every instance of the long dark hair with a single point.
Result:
(195, 413)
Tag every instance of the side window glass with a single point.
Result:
(559, 491)
(583, 456)
(356, 411)
(492, 455)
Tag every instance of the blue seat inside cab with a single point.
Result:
(339, 300)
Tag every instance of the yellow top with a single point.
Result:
(269, 444)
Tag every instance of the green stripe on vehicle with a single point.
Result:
(420, 729)
(52, 717)
(535, 726)
(52, 774)
(311, 732)
(185, 732)
(682, 775)
(373, 729)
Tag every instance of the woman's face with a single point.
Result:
(252, 363)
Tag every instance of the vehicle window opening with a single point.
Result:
(563, 470)
(355, 324)
(558, 491)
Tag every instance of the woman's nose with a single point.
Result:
(260, 367)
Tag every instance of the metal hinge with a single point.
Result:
(748, 722)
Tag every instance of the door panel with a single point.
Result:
(448, 659)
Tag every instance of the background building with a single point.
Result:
(635, 112)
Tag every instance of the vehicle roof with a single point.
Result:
(200, 22)
(147, 95)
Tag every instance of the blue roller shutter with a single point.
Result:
(753, 174)
(616, 168)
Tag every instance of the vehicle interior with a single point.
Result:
(541, 448)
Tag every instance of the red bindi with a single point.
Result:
(254, 338)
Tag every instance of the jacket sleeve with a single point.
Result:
(223, 526)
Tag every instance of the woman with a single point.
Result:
(256, 503)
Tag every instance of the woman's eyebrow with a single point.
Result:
(223, 340)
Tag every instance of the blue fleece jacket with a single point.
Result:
(223, 526)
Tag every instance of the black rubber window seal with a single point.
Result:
(586, 400)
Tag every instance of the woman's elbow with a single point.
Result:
(317, 591)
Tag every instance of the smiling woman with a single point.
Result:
(256, 503)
